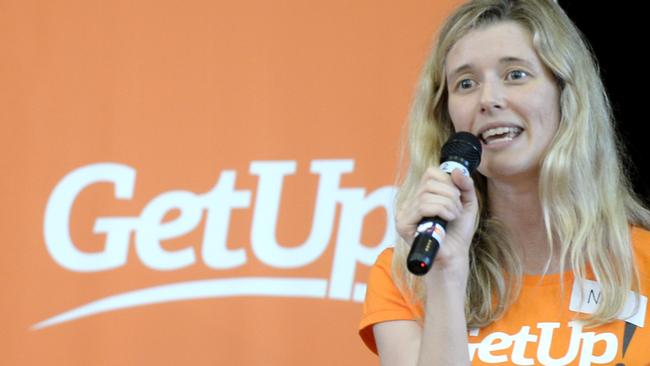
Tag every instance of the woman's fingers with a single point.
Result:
(437, 195)
(465, 185)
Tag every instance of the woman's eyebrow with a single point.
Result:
(515, 60)
(460, 70)
(504, 60)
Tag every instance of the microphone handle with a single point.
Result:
(429, 234)
(430, 231)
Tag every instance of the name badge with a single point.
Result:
(587, 302)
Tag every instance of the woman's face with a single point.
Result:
(500, 91)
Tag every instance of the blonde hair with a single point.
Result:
(587, 201)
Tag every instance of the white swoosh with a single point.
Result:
(253, 286)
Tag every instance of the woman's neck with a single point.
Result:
(519, 209)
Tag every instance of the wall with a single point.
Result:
(198, 182)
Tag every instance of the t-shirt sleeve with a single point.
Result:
(384, 301)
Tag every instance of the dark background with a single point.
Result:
(614, 32)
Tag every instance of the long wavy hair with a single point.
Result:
(587, 201)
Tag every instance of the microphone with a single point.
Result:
(461, 151)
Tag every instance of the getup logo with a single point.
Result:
(544, 343)
(147, 231)
(500, 347)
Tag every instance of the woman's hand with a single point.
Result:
(450, 197)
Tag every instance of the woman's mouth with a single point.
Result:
(500, 134)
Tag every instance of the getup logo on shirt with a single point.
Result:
(584, 347)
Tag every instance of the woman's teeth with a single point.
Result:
(500, 134)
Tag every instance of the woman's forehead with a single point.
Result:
(503, 42)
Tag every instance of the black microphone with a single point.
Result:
(462, 151)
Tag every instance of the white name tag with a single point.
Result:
(592, 295)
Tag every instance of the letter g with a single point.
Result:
(57, 218)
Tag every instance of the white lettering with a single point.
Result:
(349, 248)
(589, 339)
(154, 225)
(57, 219)
(579, 344)
(219, 202)
(267, 202)
(496, 341)
(151, 230)
(546, 338)
(472, 348)
(521, 340)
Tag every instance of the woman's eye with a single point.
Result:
(517, 75)
(465, 84)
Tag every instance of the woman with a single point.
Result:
(548, 226)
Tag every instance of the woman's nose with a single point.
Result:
(492, 96)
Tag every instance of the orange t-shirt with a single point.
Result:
(539, 328)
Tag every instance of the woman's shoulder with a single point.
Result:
(385, 257)
(384, 299)
(381, 271)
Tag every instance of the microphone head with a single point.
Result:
(464, 148)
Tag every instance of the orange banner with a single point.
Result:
(199, 182)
